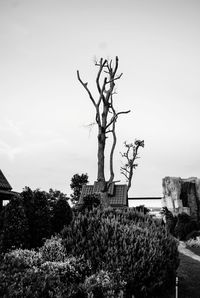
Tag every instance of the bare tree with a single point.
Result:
(131, 154)
(106, 116)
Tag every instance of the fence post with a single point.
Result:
(176, 286)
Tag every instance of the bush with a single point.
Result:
(127, 242)
(170, 220)
(104, 284)
(185, 225)
(38, 213)
(15, 229)
(26, 273)
(14, 268)
(194, 242)
(90, 201)
(61, 215)
(53, 250)
(142, 208)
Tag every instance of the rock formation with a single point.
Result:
(182, 195)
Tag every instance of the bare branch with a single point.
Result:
(102, 90)
(114, 79)
(124, 169)
(124, 175)
(114, 118)
(101, 66)
(108, 131)
(131, 155)
(116, 64)
(86, 88)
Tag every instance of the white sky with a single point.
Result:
(44, 111)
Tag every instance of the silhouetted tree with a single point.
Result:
(76, 185)
(62, 214)
(90, 201)
(38, 213)
(105, 113)
(54, 196)
(15, 228)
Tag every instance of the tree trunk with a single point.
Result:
(100, 155)
(111, 154)
(130, 178)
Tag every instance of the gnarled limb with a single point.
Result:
(131, 154)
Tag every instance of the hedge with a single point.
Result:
(126, 243)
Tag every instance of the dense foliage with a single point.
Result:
(90, 201)
(126, 243)
(184, 226)
(14, 226)
(170, 220)
(38, 214)
(76, 185)
(27, 273)
(61, 215)
(31, 217)
(181, 226)
(102, 252)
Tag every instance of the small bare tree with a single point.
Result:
(106, 115)
(131, 154)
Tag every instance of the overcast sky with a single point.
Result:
(45, 112)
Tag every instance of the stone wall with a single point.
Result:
(182, 195)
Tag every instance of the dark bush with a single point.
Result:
(127, 243)
(184, 226)
(142, 208)
(61, 215)
(38, 213)
(170, 220)
(15, 229)
(90, 201)
(76, 185)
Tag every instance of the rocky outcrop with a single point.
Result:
(182, 195)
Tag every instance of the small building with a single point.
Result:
(117, 194)
(6, 193)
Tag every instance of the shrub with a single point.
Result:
(15, 229)
(184, 226)
(170, 220)
(142, 208)
(25, 273)
(90, 201)
(38, 213)
(14, 268)
(61, 215)
(193, 242)
(104, 284)
(53, 250)
(76, 185)
(192, 235)
(127, 242)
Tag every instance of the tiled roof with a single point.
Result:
(4, 184)
(119, 197)
(117, 194)
(145, 198)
